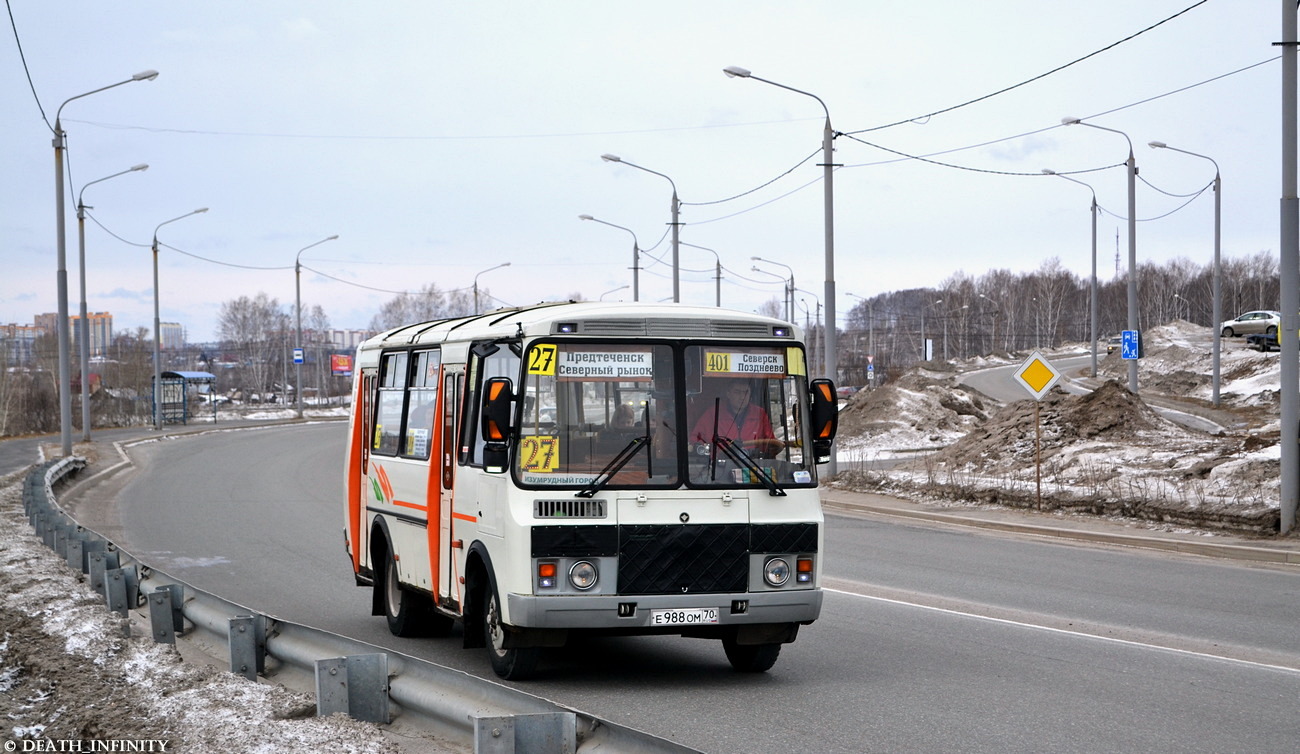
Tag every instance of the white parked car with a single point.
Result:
(1263, 321)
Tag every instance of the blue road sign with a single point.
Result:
(1130, 345)
(297, 356)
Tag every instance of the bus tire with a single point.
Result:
(512, 664)
(409, 613)
(751, 658)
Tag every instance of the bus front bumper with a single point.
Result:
(668, 613)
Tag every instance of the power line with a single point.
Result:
(1040, 76)
(27, 71)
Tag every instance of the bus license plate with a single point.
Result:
(691, 617)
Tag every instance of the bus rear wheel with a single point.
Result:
(409, 613)
(751, 658)
(512, 664)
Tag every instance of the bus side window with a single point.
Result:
(392, 398)
(422, 402)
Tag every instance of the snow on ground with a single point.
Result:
(1104, 452)
(67, 674)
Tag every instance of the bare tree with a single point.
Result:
(257, 329)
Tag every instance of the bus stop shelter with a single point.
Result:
(176, 387)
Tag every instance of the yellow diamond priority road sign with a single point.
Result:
(1037, 375)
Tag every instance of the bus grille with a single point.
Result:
(683, 559)
(568, 509)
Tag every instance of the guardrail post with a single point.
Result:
(542, 733)
(100, 564)
(246, 653)
(165, 619)
(88, 548)
(118, 590)
(356, 685)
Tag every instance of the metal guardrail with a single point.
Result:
(387, 685)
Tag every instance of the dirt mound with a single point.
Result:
(933, 406)
(1111, 414)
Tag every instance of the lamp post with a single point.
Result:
(1217, 316)
(1289, 269)
(1093, 297)
(636, 255)
(817, 319)
(157, 324)
(84, 328)
(828, 167)
(993, 323)
(785, 289)
(676, 214)
(1131, 164)
(61, 278)
(789, 289)
(611, 290)
(503, 264)
(871, 323)
(297, 298)
(717, 273)
(925, 355)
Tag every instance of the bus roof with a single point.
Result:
(608, 319)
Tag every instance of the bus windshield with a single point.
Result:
(648, 415)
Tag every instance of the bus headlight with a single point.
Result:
(583, 575)
(776, 571)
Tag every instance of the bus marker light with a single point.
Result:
(546, 575)
(804, 568)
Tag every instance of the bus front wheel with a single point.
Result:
(751, 658)
(512, 664)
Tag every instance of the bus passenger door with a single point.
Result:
(450, 558)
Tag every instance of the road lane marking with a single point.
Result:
(1083, 629)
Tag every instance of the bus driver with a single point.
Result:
(737, 419)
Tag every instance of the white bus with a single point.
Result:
(554, 471)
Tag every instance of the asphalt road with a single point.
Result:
(931, 639)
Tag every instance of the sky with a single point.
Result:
(439, 140)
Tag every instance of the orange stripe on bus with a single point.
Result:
(354, 475)
(416, 506)
(465, 517)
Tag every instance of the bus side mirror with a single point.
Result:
(497, 397)
(825, 418)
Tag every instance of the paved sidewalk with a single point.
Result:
(1073, 526)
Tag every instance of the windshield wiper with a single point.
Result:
(614, 466)
(737, 453)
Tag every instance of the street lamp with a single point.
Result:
(1093, 298)
(828, 167)
(503, 264)
(993, 323)
(157, 324)
(84, 328)
(297, 297)
(785, 289)
(717, 273)
(818, 320)
(636, 255)
(789, 288)
(871, 332)
(611, 290)
(61, 279)
(1131, 164)
(925, 355)
(676, 213)
(1217, 316)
